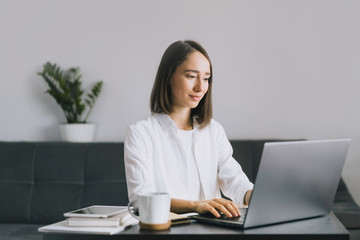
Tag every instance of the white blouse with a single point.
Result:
(194, 189)
(156, 159)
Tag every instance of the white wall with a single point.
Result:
(282, 69)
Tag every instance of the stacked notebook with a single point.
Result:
(122, 219)
(81, 221)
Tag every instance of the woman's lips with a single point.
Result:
(195, 98)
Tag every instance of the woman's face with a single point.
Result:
(190, 82)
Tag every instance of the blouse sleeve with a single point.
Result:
(138, 169)
(232, 180)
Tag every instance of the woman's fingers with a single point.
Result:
(228, 208)
(214, 212)
(217, 206)
(221, 208)
(233, 209)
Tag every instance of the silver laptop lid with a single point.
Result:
(296, 180)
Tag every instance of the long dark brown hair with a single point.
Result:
(161, 95)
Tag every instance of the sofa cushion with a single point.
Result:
(16, 181)
(44, 180)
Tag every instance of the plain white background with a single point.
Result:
(282, 69)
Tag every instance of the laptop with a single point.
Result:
(296, 180)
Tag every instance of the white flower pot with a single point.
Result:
(78, 132)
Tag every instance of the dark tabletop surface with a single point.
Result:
(327, 227)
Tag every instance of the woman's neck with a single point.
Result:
(182, 119)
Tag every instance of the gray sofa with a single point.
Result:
(39, 181)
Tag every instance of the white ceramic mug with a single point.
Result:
(154, 207)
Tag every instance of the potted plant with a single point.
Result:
(65, 87)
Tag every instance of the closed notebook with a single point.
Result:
(178, 219)
(122, 219)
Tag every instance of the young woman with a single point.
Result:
(179, 148)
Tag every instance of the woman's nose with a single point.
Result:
(198, 85)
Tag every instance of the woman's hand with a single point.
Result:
(216, 206)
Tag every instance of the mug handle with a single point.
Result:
(132, 210)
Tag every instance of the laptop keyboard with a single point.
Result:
(224, 217)
(234, 219)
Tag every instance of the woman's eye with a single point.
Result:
(191, 76)
(206, 79)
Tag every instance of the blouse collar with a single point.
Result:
(168, 124)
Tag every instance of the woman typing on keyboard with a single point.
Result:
(179, 148)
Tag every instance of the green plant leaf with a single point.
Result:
(66, 88)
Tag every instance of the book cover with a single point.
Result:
(61, 227)
(114, 221)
